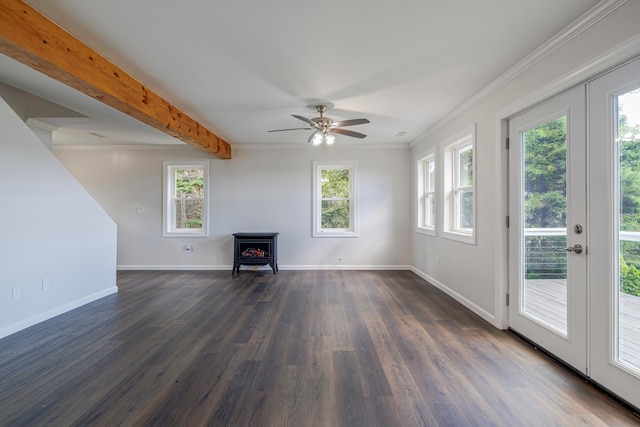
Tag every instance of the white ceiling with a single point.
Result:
(241, 68)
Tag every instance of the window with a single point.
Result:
(459, 187)
(426, 197)
(186, 188)
(334, 199)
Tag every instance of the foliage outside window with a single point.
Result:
(545, 195)
(459, 186)
(334, 213)
(463, 189)
(426, 194)
(185, 198)
(545, 199)
(628, 142)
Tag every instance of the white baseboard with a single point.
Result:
(462, 300)
(24, 324)
(345, 267)
(264, 267)
(173, 267)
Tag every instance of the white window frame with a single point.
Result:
(317, 230)
(426, 223)
(168, 190)
(451, 149)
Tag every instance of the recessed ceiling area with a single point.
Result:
(243, 69)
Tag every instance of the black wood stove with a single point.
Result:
(255, 249)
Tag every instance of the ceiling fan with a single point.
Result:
(324, 126)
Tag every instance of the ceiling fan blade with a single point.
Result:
(348, 133)
(304, 119)
(282, 130)
(351, 122)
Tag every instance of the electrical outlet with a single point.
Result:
(16, 292)
(339, 260)
(45, 284)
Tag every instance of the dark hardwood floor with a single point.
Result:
(299, 348)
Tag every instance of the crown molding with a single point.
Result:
(142, 147)
(615, 57)
(120, 147)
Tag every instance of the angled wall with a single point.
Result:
(57, 245)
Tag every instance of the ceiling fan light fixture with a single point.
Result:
(316, 138)
(329, 139)
(324, 127)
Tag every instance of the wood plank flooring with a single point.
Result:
(299, 348)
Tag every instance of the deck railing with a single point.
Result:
(546, 251)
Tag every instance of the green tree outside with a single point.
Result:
(629, 161)
(189, 198)
(545, 198)
(335, 193)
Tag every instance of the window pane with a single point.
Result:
(431, 173)
(465, 209)
(335, 214)
(465, 167)
(458, 216)
(189, 183)
(432, 211)
(335, 183)
(188, 213)
(184, 198)
(189, 186)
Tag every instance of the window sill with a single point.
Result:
(427, 231)
(335, 234)
(469, 238)
(185, 234)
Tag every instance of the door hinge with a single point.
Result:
(507, 221)
(507, 143)
(507, 300)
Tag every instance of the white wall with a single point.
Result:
(258, 190)
(51, 229)
(476, 274)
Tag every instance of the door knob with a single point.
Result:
(575, 249)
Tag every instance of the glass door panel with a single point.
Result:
(544, 149)
(627, 292)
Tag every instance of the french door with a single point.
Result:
(574, 237)
(548, 228)
(614, 128)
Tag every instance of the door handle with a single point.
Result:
(577, 249)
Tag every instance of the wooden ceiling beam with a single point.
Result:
(34, 40)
